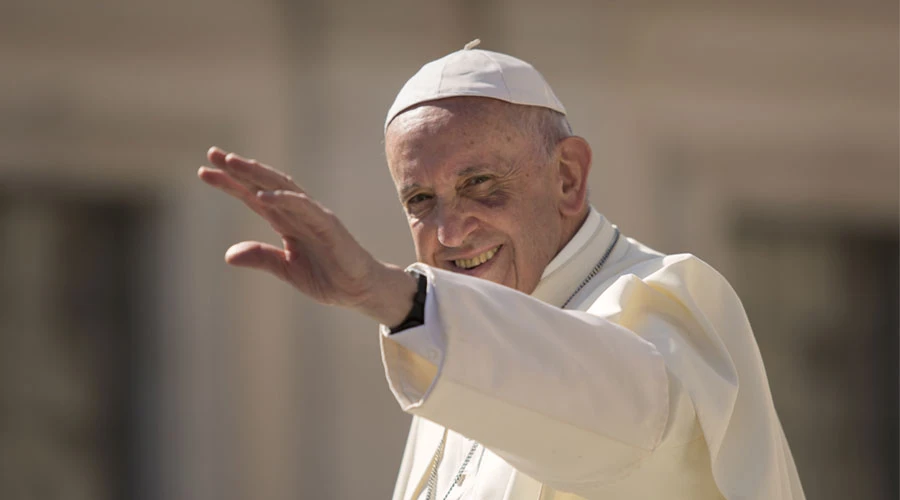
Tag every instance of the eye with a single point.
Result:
(478, 179)
(419, 198)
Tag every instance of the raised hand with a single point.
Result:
(319, 256)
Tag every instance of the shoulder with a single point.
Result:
(675, 263)
(674, 285)
(683, 277)
(685, 269)
(684, 272)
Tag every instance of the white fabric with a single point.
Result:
(476, 72)
(653, 388)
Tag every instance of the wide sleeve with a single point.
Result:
(566, 397)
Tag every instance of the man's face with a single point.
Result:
(479, 193)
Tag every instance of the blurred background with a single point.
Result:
(134, 364)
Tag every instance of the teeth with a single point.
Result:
(477, 260)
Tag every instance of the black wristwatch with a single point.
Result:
(416, 316)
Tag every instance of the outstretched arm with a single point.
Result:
(318, 256)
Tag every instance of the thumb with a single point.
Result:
(256, 255)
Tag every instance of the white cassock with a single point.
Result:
(649, 385)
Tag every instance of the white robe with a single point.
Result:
(649, 386)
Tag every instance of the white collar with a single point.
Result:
(577, 258)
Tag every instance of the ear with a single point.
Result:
(574, 165)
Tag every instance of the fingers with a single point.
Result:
(289, 213)
(300, 216)
(278, 200)
(253, 174)
(224, 182)
(298, 206)
(256, 255)
(216, 155)
(272, 213)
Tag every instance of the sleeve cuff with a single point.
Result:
(412, 357)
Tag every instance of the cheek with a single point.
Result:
(539, 231)
(422, 242)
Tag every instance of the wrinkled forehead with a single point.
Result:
(460, 122)
(451, 135)
(423, 123)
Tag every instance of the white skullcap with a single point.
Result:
(476, 72)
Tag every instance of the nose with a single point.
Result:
(454, 226)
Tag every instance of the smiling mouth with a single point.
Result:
(477, 260)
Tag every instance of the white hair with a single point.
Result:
(545, 126)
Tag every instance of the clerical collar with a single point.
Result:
(577, 243)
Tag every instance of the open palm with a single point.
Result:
(319, 256)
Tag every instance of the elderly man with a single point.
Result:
(542, 353)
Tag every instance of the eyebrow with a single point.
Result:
(474, 169)
(408, 189)
(466, 172)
